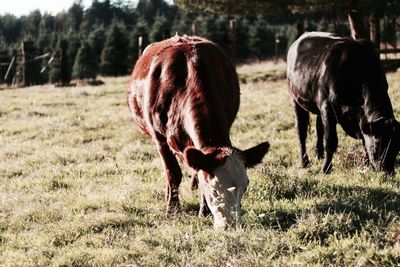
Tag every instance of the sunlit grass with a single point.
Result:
(79, 185)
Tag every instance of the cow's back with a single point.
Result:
(305, 66)
(179, 77)
(341, 70)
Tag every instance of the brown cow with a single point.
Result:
(184, 94)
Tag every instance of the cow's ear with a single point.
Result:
(197, 160)
(373, 128)
(254, 155)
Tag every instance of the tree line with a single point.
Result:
(81, 43)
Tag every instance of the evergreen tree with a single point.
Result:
(74, 43)
(243, 50)
(114, 57)
(149, 9)
(46, 24)
(215, 28)
(11, 28)
(75, 16)
(160, 29)
(261, 39)
(183, 23)
(85, 63)
(30, 23)
(141, 30)
(97, 38)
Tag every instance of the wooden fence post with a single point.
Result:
(374, 30)
(64, 62)
(23, 65)
(194, 30)
(277, 42)
(140, 44)
(232, 25)
(356, 20)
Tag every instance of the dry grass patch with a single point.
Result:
(80, 186)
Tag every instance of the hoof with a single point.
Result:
(204, 211)
(366, 162)
(319, 153)
(305, 161)
(327, 168)
(173, 208)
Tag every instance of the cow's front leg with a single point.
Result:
(204, 209)
(319, 147)
(329, 121)
(302, 120)
(173, 177)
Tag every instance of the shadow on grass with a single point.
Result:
(367, 204)
(66, 237)
(362, 205)
(191, 208)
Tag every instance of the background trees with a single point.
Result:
(112, 28)
(356, 10)
(115, 52)
(85, 63)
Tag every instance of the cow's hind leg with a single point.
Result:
(330, 135)
(302, 121)
(173, 177)
(319, 147)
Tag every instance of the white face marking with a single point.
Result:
(224, 191)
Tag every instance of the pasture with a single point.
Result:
(80, 186)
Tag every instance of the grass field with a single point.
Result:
(80, 186)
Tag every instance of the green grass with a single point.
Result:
(80, 186)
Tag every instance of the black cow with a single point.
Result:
(342, 81)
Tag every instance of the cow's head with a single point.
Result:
(382, 142)
(223, 179)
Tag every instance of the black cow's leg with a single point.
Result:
(367, 163)
(330, 135)
(302, 120)
(319, 147)
(173, 177)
